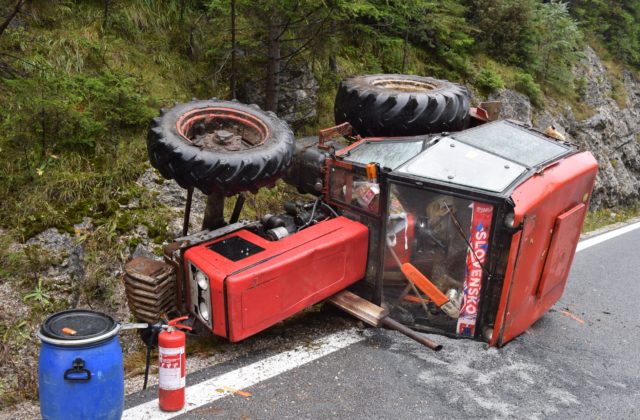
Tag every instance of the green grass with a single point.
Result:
(604, 217)
(45, 183)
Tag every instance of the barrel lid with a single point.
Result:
(78, 327)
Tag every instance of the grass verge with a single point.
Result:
(603, 217)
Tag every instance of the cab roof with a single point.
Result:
(490, 157)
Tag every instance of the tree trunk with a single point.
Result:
(8, 19)
(333, 60)
(273, 65)
(106, 14)
(183, 5)
(404, 49)
(233, 49)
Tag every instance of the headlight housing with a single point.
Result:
(200, 295)
(202, 280)
(204, 310)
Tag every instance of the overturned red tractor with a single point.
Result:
(454, 222)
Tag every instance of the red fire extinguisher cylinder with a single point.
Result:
(172, 361)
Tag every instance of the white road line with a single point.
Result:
(588, 243)
(207, 391)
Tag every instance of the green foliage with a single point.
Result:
(10, 260)
(607, 216)
(438, 28)
(581, 85)
(79, 83)
(505, 29)
(22, 266)
(488, 80)
(524, 83)
(614, 23)
(18, 332)
(39, 295)
(55, 112)
(558, 41)
(75, 101)
(73, 187)
(539, 37)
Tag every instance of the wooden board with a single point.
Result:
(359, 307)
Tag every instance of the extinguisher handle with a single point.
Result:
(175, 323)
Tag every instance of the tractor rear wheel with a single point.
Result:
(401, 105)
(220, 146)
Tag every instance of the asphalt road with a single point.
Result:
(560, 368)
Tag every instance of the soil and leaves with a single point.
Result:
(80, 80)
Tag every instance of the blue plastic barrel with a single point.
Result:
(81, 375)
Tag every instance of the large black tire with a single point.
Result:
(262, 151)
(401, 105)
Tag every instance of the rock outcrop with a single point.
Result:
(611, 133)
(297, 97)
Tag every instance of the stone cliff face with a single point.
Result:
(611, 133)
(297, 96)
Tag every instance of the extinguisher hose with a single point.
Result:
(155, 330)
(146, 367)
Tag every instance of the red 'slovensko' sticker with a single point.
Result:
(476, 257)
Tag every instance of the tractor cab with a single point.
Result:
(483, 223)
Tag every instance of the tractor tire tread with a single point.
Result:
(376, 110)
(227, 172)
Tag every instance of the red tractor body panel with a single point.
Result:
(551, 206)
(277, 279)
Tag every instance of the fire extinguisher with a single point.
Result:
(171, 363)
